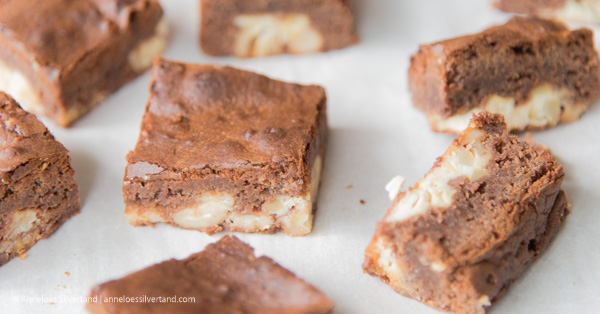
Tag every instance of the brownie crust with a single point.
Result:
(454, 76)
(225, 278)
(78, 51)
(38, 192)
(332, 20)
(463, 257)
(210, 128)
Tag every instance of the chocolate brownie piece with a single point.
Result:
(255, 28)
(38, 192)
(76, 53)
(225, 278)
(535, 72)
(484, 212)
(585, 11)
(225, 148)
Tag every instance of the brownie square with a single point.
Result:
(38, 192)
(485, 211)
(256, 28)
(225, 148)
(535, 72)
(224, 278)
(60, 58)
(584, 11)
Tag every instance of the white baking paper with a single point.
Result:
(376, 134)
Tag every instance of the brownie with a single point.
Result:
(76, 53)
(38, 192)
(485, 211)
(535, 72)
(255, 28)
(225, 148)
(225, 278)
(585, 11)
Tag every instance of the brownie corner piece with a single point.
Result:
(535, 72)
(221, 148)
(76, 53)
(38, 192)
(224, 278)
(485, 211)
(251, 28)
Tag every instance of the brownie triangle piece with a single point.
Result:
(224, 278)
(38, 192)
(472, 225)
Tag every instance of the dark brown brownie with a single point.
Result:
(225, 278)
(586, 11)
(38, 192)
(472, 225)
(225, 148)
(254, 28)
(76, 53)
(535, 72)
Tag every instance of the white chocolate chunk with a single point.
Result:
(251, 222)
(23, 221)
(16, 237)
(484, 300)
(546, 106)
(387, 261)
(141, 57)
(438, 267)
(268, 34)
(297, 223)
(211, 210)
(468, 159)
(14, 83)
(145, 217)
(394, 186)
(584, 11)
(282, 204)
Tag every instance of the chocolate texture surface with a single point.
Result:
(218, 137)
(225, 278)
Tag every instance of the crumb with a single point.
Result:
(22, 256)
(528, 137)
(67, 273)
(349, 186)
(51, 303)
(574, 284)
(363, 202)
(74, 254)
